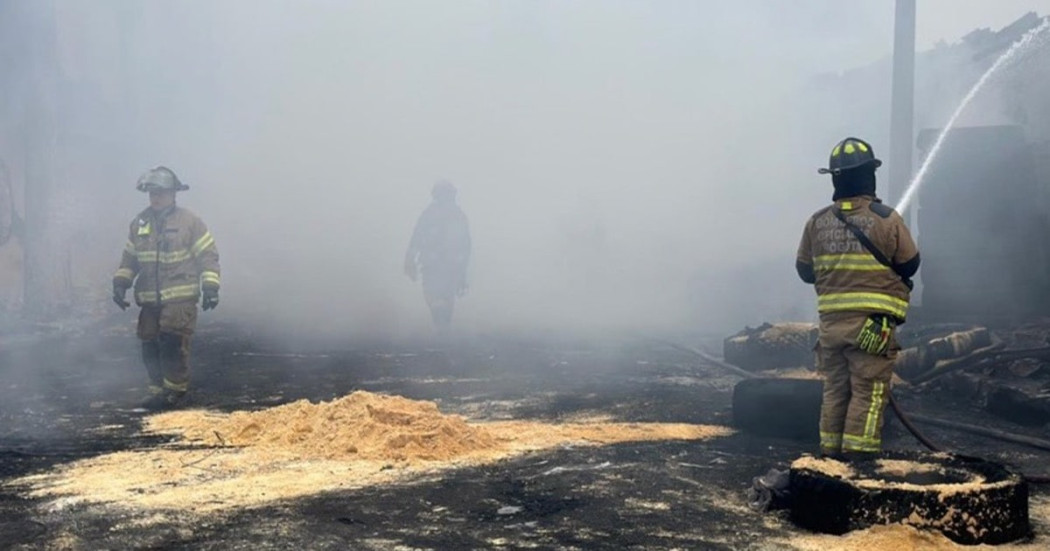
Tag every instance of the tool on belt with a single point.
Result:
(875, 335)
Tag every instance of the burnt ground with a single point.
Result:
(58, 391)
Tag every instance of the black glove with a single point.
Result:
(210, 298)
(119, 294)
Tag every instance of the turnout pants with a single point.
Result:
(165, 332)
(856, 386)
(439, 290)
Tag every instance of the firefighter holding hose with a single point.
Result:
(172, 261)
(859, 256)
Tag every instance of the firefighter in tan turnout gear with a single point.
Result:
(440, 249)
(860, 256)
(172, 260)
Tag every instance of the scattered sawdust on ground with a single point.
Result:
(303, 448)
(791, 373)
(902, 468)
(826, 465)
(636, 503)
(839, 469)
(896, 537)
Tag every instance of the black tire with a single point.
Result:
(781, 408)
(993, 511)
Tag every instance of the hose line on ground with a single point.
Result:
(918, 434)
(905, 419)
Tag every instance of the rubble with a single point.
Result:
(771, 346)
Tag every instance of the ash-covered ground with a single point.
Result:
(65, 397)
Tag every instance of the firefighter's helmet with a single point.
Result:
(160, 178)
(849, 154)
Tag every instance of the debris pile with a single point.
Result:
(771, 346)
(1007, 372)
(361, 425)
(298, 449)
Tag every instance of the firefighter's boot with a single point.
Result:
(151, 359)
(174, 361)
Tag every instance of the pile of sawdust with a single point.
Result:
(361, 425)
(301, 449)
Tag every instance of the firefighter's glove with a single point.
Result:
(120, 293)
(209, 298)
(875, 336)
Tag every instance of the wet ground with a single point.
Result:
(65, 397)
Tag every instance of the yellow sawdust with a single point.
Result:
(791, 373)
(301, 449)
(825, 465)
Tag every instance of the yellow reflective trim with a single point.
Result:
(203, 243)
(180, 291)
(171, 293)
(210, 277)
(173, 257)
(835, 152)
(847, 261)
(177, 387)
(838, 302)
(832, 298)
(124, 273)
(844, 256)
(860, 443)
(828, 439)
(874, 410)
(847, 205)
(851, 267)
(862, 147)
(848, 148)
(144, 229)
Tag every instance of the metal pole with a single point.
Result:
(902, 102)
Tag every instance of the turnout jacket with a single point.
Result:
(169, 256)
(846, 276)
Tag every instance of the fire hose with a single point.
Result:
(905, 419)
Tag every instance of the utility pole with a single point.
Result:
(902, 102)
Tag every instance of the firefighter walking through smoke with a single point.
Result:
(172, 260)
(860, 256)
(440, 251)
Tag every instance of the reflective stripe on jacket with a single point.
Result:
(169, 256)
(848, 278)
